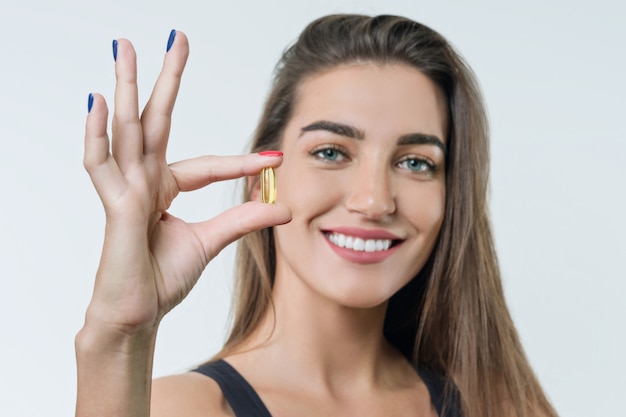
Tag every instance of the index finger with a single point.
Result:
(196, 173)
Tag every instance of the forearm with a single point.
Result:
(114, 372)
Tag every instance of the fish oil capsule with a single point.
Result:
(268, 185)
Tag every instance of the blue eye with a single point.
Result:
(416, 165)
(328, 154)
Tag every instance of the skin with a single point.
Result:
(366, 183)
(320, 296)
(151, 260)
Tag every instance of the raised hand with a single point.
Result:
(151, 259)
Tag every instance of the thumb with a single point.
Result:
(215, 234)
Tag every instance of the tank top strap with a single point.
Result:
(240, 395)
(245, 402)
(436, 386)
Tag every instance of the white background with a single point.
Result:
(553, 77)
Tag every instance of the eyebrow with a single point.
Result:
(334, 127)
(354, 133)
(422, 139)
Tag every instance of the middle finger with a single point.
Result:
(157, 115)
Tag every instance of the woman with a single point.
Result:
(370, 288)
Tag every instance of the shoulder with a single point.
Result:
(188, 395)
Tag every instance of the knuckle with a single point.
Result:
(89, 163)
(245, 223)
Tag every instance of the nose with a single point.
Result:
(371, 192)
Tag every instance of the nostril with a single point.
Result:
(370, 194)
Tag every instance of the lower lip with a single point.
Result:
(362, 257)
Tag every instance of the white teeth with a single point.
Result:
(358, 244)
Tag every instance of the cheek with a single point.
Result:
(306, 191)
(425, 209)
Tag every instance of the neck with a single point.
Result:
(312, 335)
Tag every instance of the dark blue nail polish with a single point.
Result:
(170, 41)
(115, 49)
(89, 102)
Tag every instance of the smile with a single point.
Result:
(357, 244)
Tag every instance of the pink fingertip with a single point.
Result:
(271, 153)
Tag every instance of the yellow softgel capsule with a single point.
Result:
(268, 185)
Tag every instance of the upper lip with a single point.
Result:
(363, 233)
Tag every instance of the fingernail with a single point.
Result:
(170, 41)
(271, 153)
(115, 49)
(89, 103)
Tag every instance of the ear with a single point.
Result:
(254, 188)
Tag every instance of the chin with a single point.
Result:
(360, 293)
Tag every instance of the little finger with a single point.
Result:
(97, 159)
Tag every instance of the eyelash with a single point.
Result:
(430, 166)
(318, 153)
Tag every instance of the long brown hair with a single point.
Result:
(452, 317)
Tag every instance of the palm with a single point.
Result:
(177, 256)
(171, 253)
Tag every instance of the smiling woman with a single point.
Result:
(359, 181)
(371, 287)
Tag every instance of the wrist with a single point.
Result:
(97, 338)
(114, 370)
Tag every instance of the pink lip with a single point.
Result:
(362, 257)
(363, 233)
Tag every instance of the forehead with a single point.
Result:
(390, 99)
